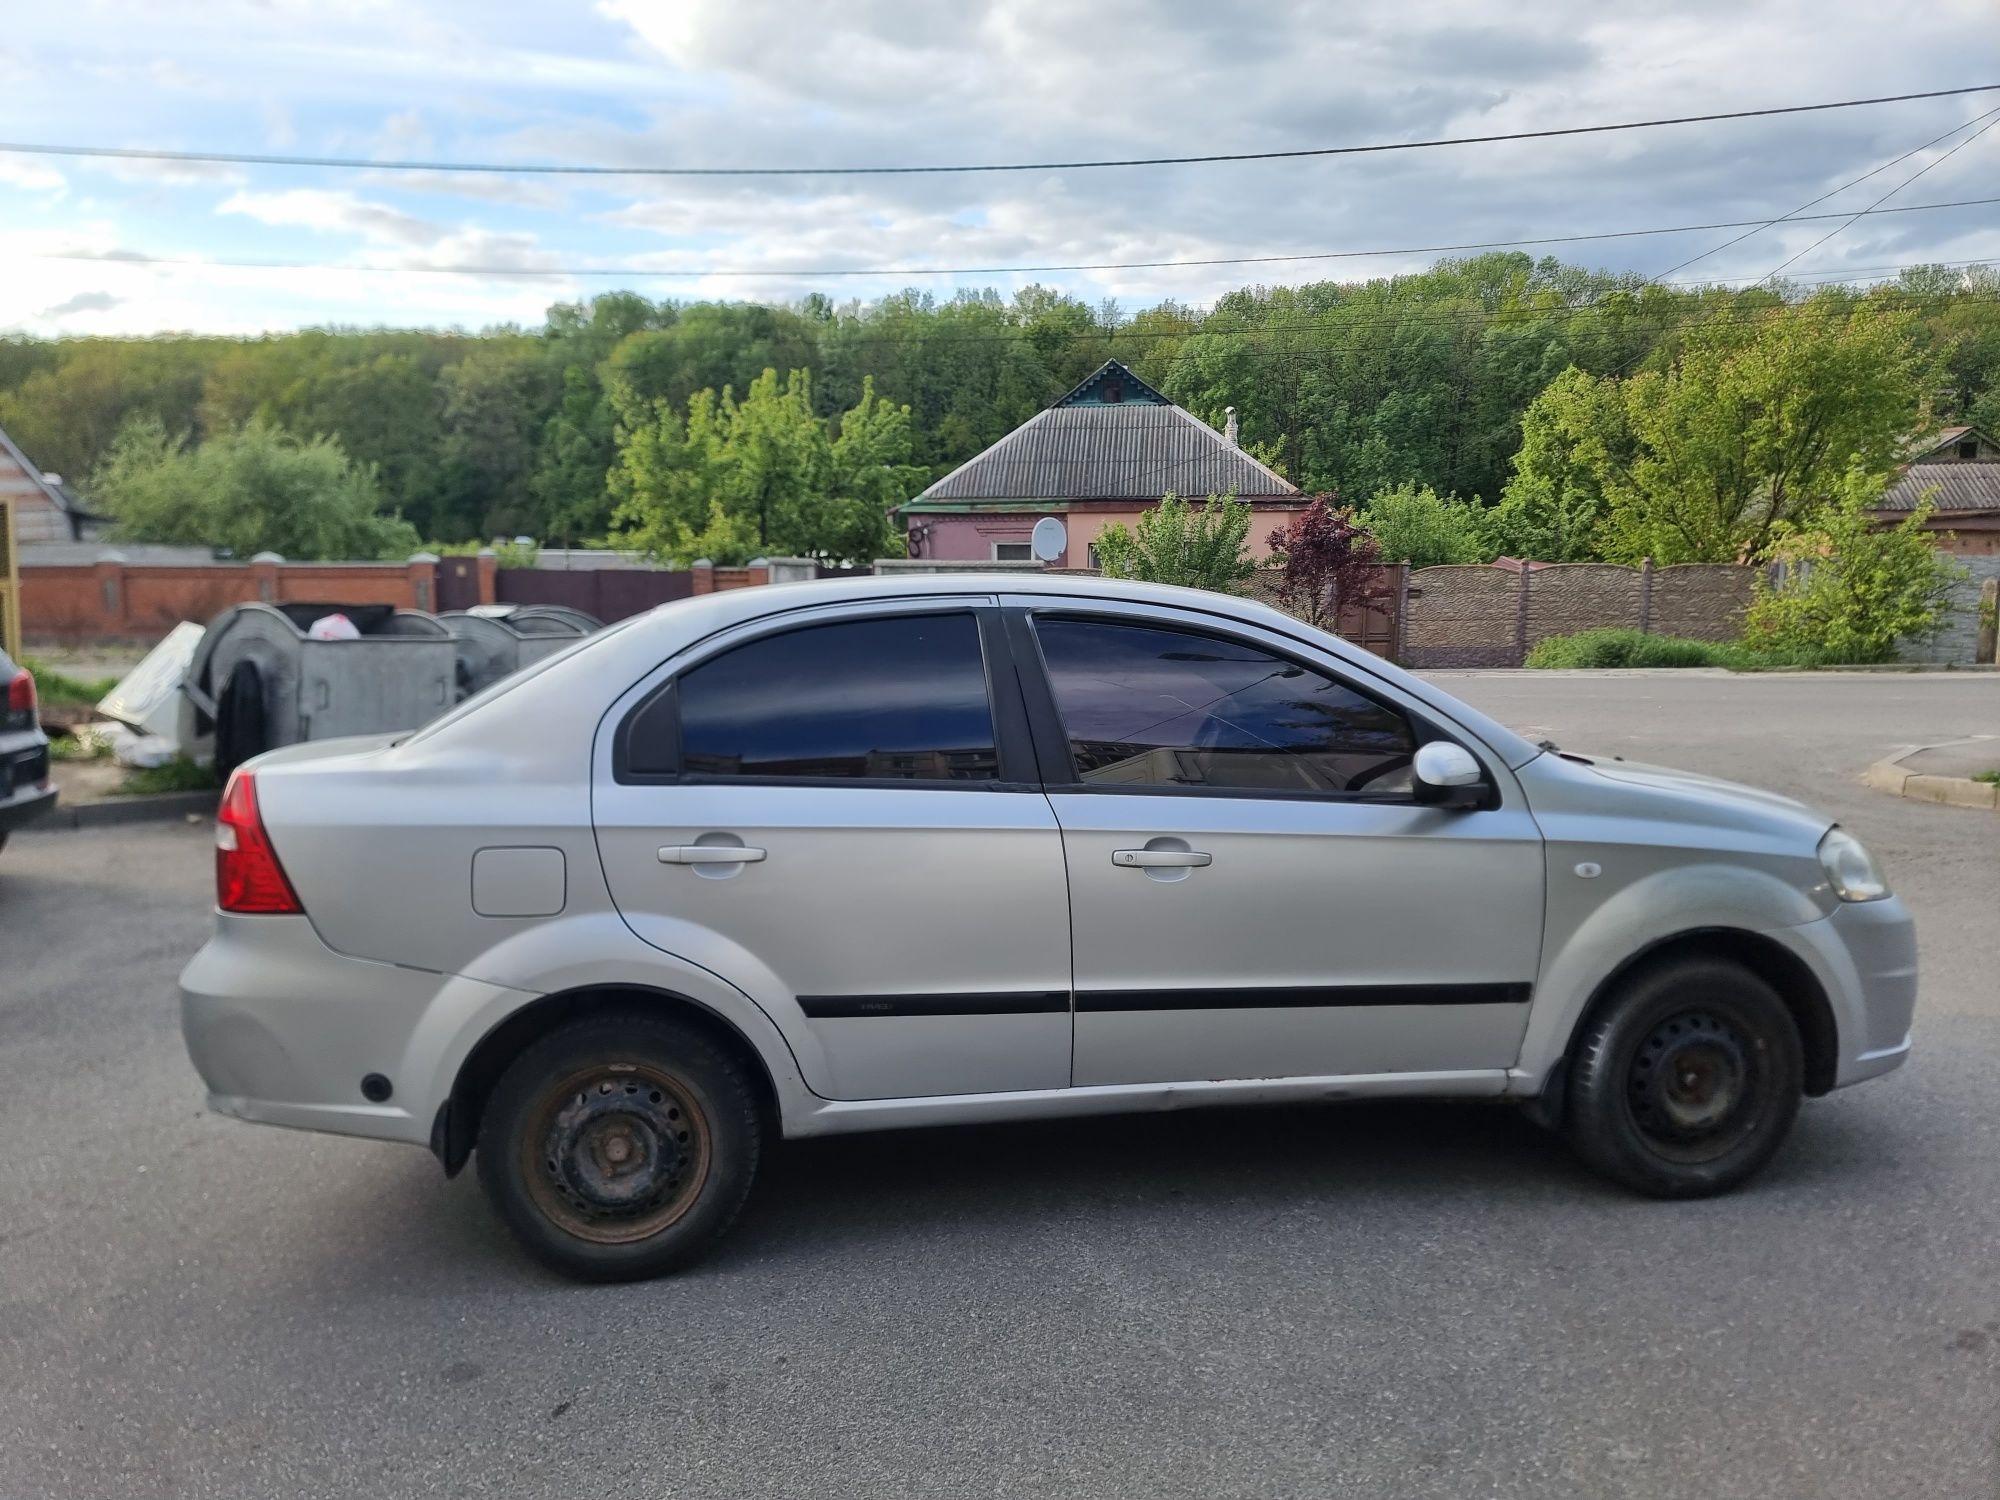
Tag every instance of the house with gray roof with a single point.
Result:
(1103, 455)
(1959, 471)
(44, 509)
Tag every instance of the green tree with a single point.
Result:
(1852, 588)
(1175, 543)
(1746, 431)
(1414, 524)
(734, 479)
(1553, 506)
(254, 490)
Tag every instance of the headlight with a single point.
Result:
(1851, 868)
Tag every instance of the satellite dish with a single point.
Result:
(1050, 539)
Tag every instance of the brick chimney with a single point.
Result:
(1229, 426)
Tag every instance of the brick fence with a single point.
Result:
(1490, 615)
(140, 602)
(112, 600)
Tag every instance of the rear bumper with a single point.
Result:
(282, 1030)
(25, 806)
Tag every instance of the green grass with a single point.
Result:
(69, 747)
(1616, 647)
(178, 775)
(1991, 778)
(52, 686)
(1633, 648)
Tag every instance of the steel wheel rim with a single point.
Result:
(616, 1152)
(1695, 1086)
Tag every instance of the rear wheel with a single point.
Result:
(1687, 1081)
(621, 1146)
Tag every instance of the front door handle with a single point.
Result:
(1161, 859)
(709, 854)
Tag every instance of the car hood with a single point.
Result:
(1585, 784)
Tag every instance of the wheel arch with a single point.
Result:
(1770, 960)
(455, 1128)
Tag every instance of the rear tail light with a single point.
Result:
(21, 693)
(248, 877)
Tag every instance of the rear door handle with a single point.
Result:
(1161, 859)
(709, 854)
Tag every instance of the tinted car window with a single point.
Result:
(1152, 707)
(902, 698)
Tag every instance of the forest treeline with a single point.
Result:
(1352, 388)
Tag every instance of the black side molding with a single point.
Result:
(1252, 997)
(1005, 1003)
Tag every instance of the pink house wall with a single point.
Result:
(970, 538)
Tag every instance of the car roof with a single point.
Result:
(554, 689)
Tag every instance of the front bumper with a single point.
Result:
(282, 1030)
(1866, 955)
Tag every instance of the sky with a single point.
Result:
(896, 82)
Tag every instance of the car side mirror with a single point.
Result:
(1448, 775)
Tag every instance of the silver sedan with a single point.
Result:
(877, 853)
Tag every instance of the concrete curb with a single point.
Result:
(1891, 776)
(168, 807)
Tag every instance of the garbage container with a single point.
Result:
(259, 680)
(496, 640)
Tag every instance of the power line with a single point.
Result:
(1799, 212)
(353, 163)
(137, 258)
(1992, 118)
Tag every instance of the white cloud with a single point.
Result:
(31, 175)
(334, 211)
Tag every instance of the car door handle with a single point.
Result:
(709, 854)
(1161, 859)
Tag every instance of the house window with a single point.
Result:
(1969, 449)
(1013, 551)
(1092, 560)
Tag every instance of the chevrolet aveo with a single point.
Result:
(876, 853)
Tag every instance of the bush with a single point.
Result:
(1175, 543)
(1415, 524)
(1853, 589)
(1633, 648)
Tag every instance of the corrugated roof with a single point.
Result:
(1959, 486)
(1124, 452)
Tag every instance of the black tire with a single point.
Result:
(621, 1146)
(240, 719)
(1686, 1081)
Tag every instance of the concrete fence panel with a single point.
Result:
(1463, 615)
(1702, 601)
(1567, 597)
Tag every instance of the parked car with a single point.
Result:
(25, 789)
(877, 853)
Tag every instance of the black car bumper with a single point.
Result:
(26, 805)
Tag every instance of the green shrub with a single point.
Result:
(1853, 589)
(178, 775)
(1612, 647)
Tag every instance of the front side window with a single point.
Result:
(1144, 706)
(900, 698)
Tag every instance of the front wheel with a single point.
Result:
(1687, 1081)
(621, 1146)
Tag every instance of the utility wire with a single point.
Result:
(133, 257)
(1800, 212)
(1992, 118)
(353, 163)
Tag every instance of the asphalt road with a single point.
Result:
(1362, 1300)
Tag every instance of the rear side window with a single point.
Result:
(896, 698)
(1151, 707)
